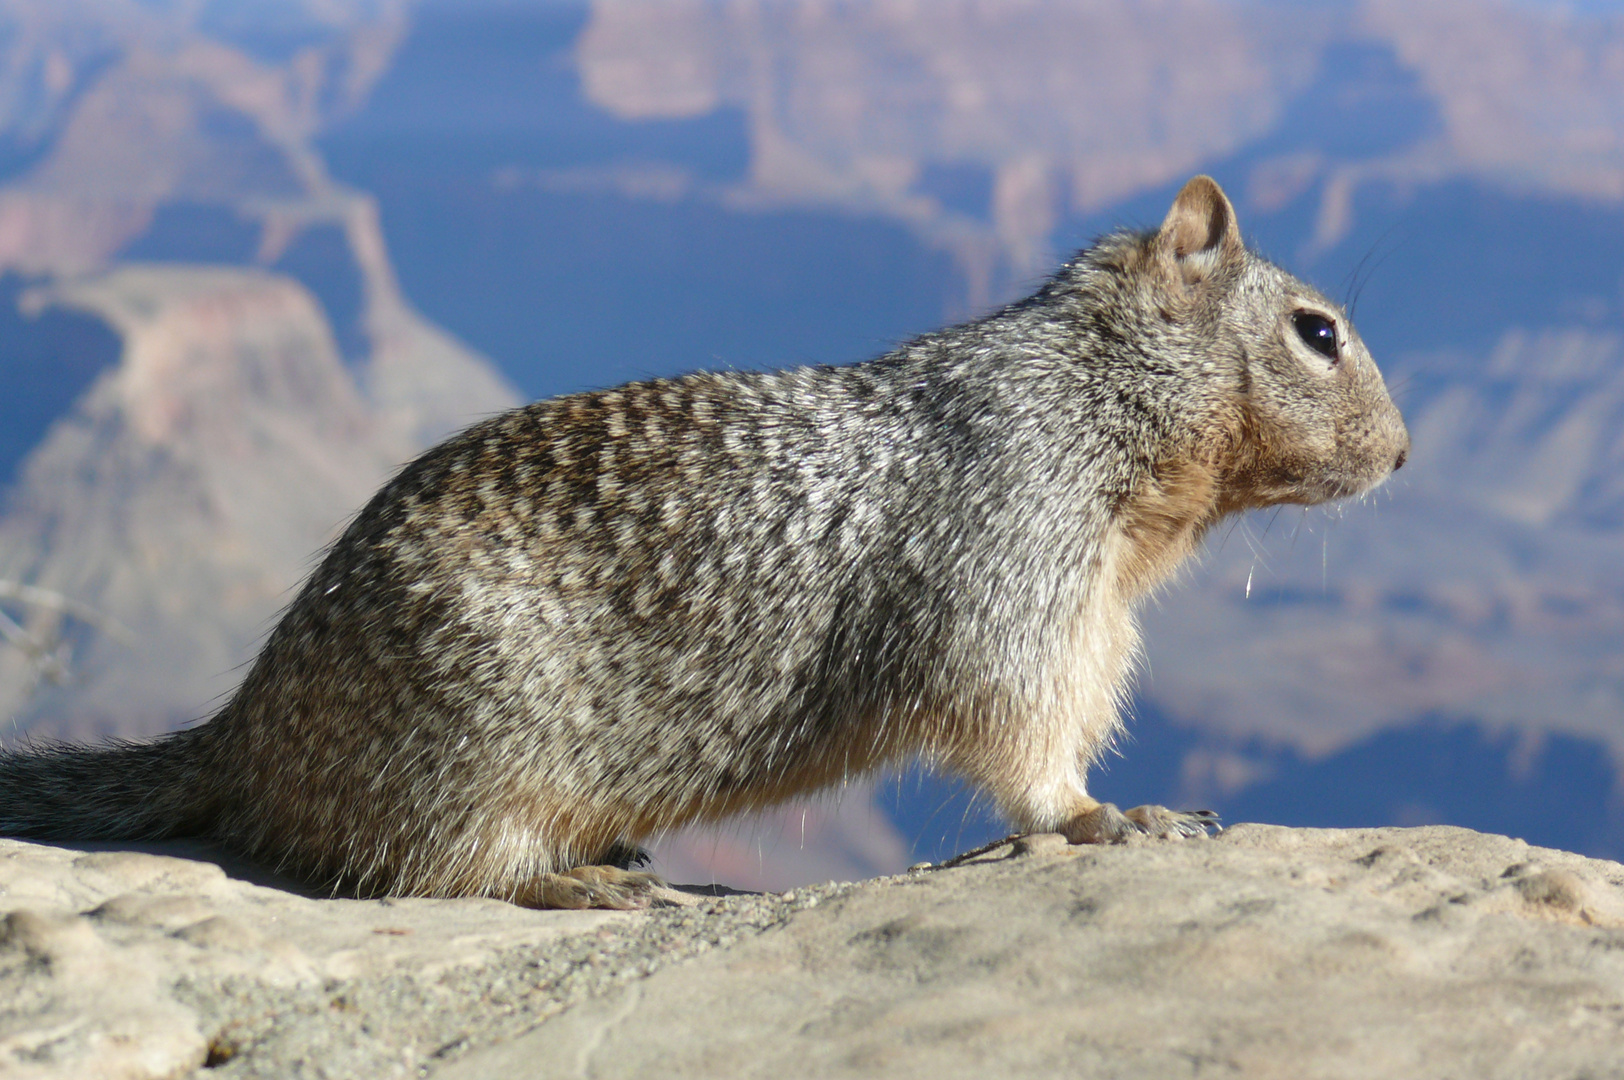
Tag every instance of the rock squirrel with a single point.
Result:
(594, 618)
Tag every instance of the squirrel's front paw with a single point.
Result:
(1105, 824)
(1167, 824)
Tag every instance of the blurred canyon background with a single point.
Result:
(254, 254)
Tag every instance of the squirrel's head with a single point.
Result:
(1308, 417)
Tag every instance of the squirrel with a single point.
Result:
(597, 617)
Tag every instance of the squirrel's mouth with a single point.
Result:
(1348, 486)
(1314, 490)
(1307, 488)
(1360, 468)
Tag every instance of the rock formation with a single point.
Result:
(166, 518)
(184, 495)
(1072, 108)
(1265, 952)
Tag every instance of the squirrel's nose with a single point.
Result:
(1398, 463)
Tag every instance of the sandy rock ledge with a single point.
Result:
(1265, 952)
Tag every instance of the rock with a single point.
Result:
(183, 498)
(131, 964)
(1264, 952)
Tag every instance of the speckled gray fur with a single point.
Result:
(617, 612)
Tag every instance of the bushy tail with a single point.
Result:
(114, 791)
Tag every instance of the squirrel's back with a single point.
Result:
(610, 614)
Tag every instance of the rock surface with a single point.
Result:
(1264, 952)
(184, 496)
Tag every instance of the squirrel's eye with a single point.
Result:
(1317, 332)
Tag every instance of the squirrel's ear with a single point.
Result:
(1199, 232)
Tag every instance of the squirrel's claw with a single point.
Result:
(1171, 824)
(580, 887)
(1105, 824)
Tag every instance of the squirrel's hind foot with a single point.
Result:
(591, 887)
(1105, 824)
